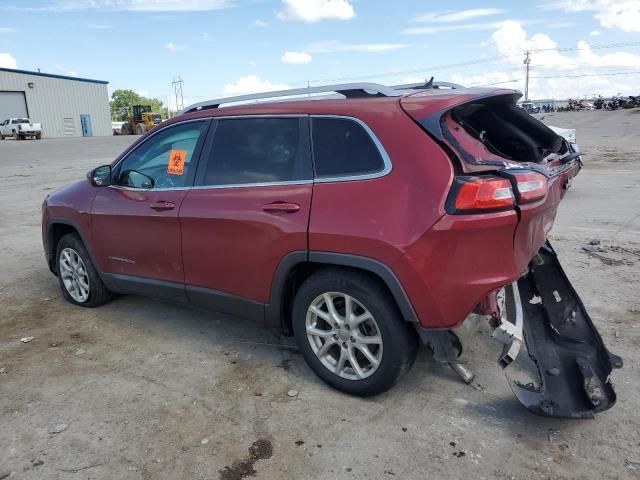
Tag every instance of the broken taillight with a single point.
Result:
(529, 186)
(476, 194)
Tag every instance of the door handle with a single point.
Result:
(281, 207)
(161, 206)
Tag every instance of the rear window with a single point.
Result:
(342, 147)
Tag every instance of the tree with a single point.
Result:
(122, 101)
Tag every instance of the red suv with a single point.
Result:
(361, 224)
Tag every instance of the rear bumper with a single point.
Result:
(573, 365)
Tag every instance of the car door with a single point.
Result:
(135, 225)
(249, 208)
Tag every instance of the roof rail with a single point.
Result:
(349, 90)
(427, 86)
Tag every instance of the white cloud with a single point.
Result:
(7, 30)
(72, 73)
(335, 46)
(554, 74)
(623, 15)
(143, 93)
(204, 36)
(457, 16)
(100, 26)
(252, 84)
(140, 5)
(174, 47)
(296, 58)
(511, 40)
(311, 11)
(7, 61)
(259, 23)
(595, 33)
(253, 63)
(446, 28)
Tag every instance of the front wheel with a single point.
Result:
(79, 279)
(351, 333)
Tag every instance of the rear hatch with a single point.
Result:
(487, 137)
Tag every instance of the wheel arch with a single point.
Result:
(296, 267)
(58, 228)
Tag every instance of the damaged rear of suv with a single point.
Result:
(507, 161)
(358, 224)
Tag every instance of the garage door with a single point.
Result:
(12, 104)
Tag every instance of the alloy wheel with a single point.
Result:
(74, 275)
(344, 335)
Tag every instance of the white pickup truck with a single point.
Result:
(20, 128)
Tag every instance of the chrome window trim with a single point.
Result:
(217, 187)
(387, 166)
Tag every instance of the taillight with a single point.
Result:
(530, 186)
(476, 194)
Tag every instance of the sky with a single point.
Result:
(228, 47)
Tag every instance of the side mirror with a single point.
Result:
(100, 176)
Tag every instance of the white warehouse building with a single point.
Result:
(65, 106)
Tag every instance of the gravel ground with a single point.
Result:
(141, 389)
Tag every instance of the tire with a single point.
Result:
(390, 340)
(141, 129)
(124, 129)
(15, 135)
(39, 136)
(70, 249)
(1, 136)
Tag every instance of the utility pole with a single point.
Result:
(177, 89)
(526, 61)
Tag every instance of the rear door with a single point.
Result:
(249, 208)
(135, 223)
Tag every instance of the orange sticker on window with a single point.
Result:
(176, 162)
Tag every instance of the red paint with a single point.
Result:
(127, 228)
(230, 244)
(232, 239)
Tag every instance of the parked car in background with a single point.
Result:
(428, 205)
(20, 128)
(116, 127)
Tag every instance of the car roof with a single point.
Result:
(436, 99)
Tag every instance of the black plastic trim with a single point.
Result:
(225, 303)
(145, 286)
(50, 251)
(274, 310)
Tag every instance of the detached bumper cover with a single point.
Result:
(573, 364)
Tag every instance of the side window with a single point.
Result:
(258, 150)
(163, 161)
(342, 147)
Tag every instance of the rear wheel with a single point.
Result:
(79, 279)
(15, 135)
(38, 136)
(351, 333)
(141, 129)
(125, 129)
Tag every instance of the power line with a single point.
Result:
(515, 80)
(433, 68)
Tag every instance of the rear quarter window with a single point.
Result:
(343, 148)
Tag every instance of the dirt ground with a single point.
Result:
(141, 389)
